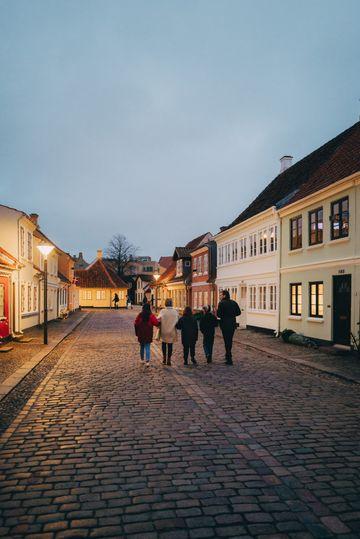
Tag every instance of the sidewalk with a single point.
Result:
(17, 363)
(346, 367)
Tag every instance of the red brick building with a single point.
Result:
(203, 263)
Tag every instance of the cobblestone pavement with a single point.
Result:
(22, 352)
(108, 448)
(346, 365)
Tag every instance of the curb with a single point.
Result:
(305, 363)
(14, 379)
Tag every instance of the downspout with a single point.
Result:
(18, 302)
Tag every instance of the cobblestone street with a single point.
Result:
(108, 448)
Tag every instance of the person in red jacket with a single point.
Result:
(144, 327)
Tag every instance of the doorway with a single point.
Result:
(242, 304)
(4, 307)
(341, 309)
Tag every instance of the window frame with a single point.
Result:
(317, 230)
(297, 220)
(297, 312)
(317, 303)
(340, 202)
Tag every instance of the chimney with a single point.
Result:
(34, 217)
(99, 254)
(285, 162)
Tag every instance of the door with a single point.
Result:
(4, 307)
(242, 303)
(341, 309)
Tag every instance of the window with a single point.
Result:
(296, 299)
(316, 226)
(22, 241)
(262, 242)
(262, 298)
(234, 251)
(227, 253)
(296, 232)
(22, 299)
(87, 294)
(187, 263)
(233, 293)
(206, 298)
(199, 261)
(242, 248)
(253, 245)
(272, 297)
(273, 238)
(206, 263)
(178, 268)
(316, 293)
(340, 218)
(2, 300)
(29, 246)
(100, 294)
(35, 298)
(252, 297)
(29, 298)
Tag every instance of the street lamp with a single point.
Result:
(45, 250)
(156, 277)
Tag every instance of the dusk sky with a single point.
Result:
(161, 120)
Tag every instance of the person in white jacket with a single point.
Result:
(168, 335)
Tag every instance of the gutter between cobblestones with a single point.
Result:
(14, 379)
(298, 361)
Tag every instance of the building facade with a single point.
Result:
(98, 284)
(203, 288)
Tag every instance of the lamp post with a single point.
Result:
(156, 277)
(45, 250)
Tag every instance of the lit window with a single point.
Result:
(273, 238)
(253, 245)
(296, 299)
(262, 242)
(272, 297)
(22, 241)
(29, 297)
(262, 298)
(316, 292)
(242, 248)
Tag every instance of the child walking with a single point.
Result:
(208, 323)
(189, 334)
(144, 328)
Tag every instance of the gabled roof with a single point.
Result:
(335, 160)
(63, 279)
(165, 261)
(144, 277)
(99, 275)
(7, 260)
(167, 275)
(185, 252)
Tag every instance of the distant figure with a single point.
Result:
(208, 323)
(144, 324)
(227, 312)
(116, 301)
(168, 319)
(129, 304)
(189, 334)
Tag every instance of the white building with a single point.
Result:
(248, 266)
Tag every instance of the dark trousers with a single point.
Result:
(208, 344)
(228, 334)
(189, 347)
(167, 349)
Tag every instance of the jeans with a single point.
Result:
(208, 344)
(228, 334)
(189, 347)
(145, 351)
(167, 347)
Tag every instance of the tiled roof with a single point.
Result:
(146, 278)
(167, 275)
(63, 278)
(165, 261)
(185, 252)
(99, 275)
(8, 260)
(337, 159)
(196, 242)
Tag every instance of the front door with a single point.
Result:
(4, 307)
(341, 309)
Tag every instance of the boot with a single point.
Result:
(193, 361)
(164, 360)
(208, 359)
(186, 362)
(169, 362)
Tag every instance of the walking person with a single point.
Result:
(144, 328)
(227, 312)
(168, 318)
(189, 334)
(208, 323)
(116, 301)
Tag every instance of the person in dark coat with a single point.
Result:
(227, 312)
(144, 324)
(208, 323)
(189, 334)
(116, 301)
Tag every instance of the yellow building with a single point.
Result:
(320, 244)
(99, 283)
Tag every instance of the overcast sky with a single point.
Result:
(161, 120)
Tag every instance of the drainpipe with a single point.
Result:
(18, 302)
(279, 272)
